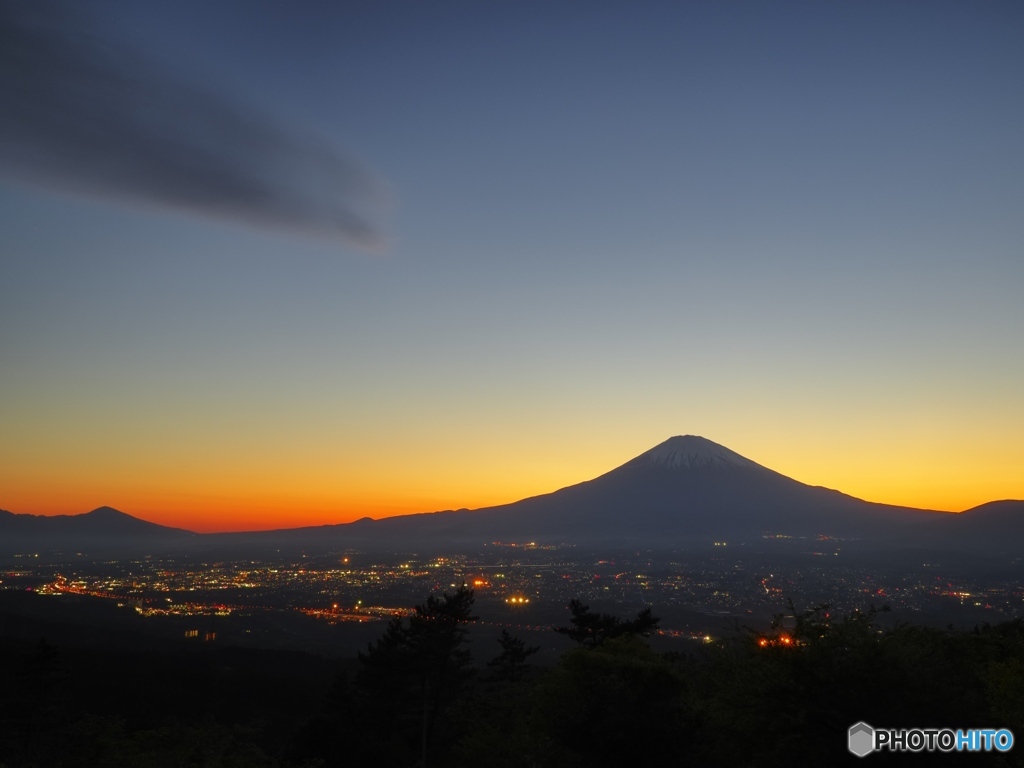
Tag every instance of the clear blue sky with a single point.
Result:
(308, 261)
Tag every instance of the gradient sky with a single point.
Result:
(266, 265)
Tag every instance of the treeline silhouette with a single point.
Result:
(416, 697)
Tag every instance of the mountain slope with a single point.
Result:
(103, 529)
(691, 486)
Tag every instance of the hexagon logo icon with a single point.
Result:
(861, 739)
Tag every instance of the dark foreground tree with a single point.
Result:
(508, 666)
(410, 676)
(619, 703)
(611, 701)
(590, 629)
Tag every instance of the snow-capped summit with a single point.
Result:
(694, 452)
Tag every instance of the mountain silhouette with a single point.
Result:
(685, 487)
(994, 526)
(685, 490)
(103, 530)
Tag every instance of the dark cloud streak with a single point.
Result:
(86, 115)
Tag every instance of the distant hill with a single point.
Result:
(995, 526)
(1007, 510)
(103, 530)
(686, 490)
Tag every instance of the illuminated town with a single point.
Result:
(520, 586)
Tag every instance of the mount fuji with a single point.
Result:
(685, 487)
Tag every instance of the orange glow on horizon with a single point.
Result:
(203, 514)
(208, 493)
(224, 518)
